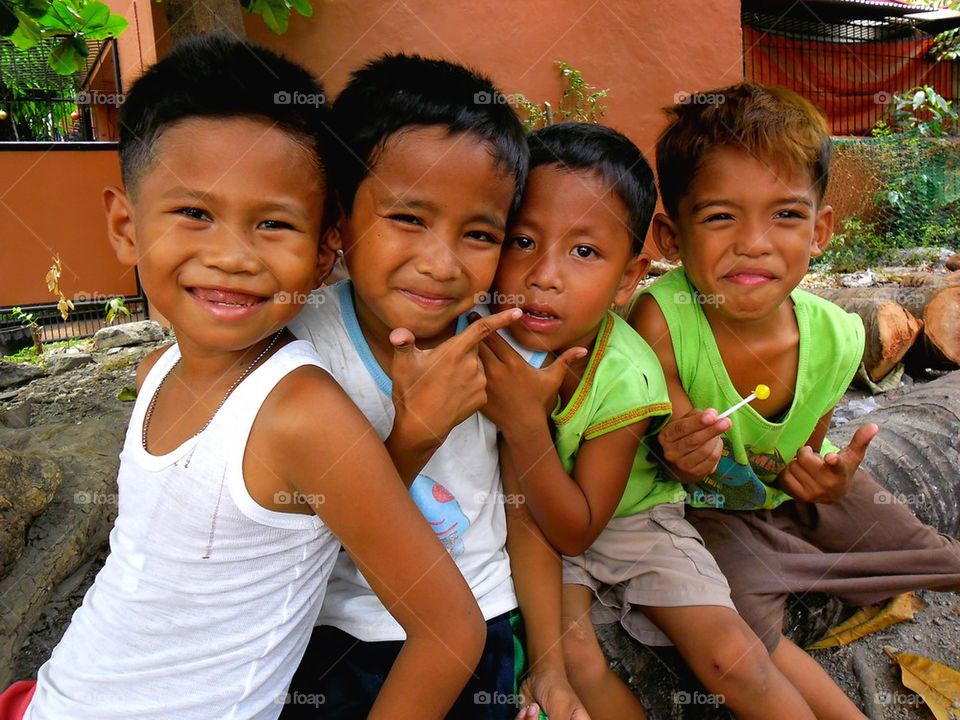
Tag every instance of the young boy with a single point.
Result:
(573, 251)
(231, 504)
(781, 509)
(430, 162)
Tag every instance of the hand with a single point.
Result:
(519, 394)
(435, 390)
(812, 478)
(692, 445)
(550, 690)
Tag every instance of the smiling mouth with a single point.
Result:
(227, 305)
(427, 300)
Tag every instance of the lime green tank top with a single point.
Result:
(623, 384)
(755, 449)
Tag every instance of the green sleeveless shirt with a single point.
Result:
(622, 384)
(755, 449)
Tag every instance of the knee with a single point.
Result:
(582, 656)
(737, 658)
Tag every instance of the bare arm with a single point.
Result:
(325, 449)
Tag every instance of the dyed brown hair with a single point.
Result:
(774, 124)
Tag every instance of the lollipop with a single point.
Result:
(762, 392)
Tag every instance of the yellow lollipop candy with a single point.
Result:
(762, 392)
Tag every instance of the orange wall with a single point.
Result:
(50, 203)
(643, 50)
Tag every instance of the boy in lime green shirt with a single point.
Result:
(743, 177)
(584, 472)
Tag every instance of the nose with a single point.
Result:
(544, 273)
(438, 260)
(754, 239)
(231, 252)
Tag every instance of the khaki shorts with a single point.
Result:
(654, 558)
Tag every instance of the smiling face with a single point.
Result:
(224, 228)
(568, 258)
(424, 235)
(745, 232)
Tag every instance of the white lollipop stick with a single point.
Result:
(762, 392)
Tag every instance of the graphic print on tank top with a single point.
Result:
(735, 486)
(442, 511)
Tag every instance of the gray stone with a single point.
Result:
(916, 255)
(16, 416)
(13, 374)
(135, 333)
(65, 363)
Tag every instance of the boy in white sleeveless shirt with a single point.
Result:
(245, 465)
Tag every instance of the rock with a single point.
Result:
(921, 255)
(65, 363)
(16, 416)
(27, 485)
(13, 374)
(953, 262)
(135, 333)
(859, 279)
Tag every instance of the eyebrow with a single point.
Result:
(485, 218)
(787, 200)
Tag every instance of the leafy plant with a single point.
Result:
(276, 13)
(580, 102)
(64, 305)
(855, 245)
(29, 321)
(114, 308)
(922, 109)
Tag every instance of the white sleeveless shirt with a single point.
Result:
(205, 604)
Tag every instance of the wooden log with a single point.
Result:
(890, 331)
(916, 279)
(936, 305)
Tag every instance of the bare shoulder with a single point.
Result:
(147, 364)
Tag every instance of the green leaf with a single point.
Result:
(65, 59)
(36, 8)
(127, 394)
(303, 7)
(94, 14)
(918, 97)
(27, 34)
(276, 15)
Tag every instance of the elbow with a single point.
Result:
(573, 545)
(470, 635)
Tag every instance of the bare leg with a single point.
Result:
(730, 661)
(828, 701)
(600, 689)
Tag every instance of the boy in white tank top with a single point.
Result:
(245, 466)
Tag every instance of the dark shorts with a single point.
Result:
(339, 677)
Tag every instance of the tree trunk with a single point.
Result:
(937, 305)
(890, 332)
(917, 454)
(189, 17)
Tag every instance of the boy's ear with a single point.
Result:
(331, 243)
(120, 227)
(635, 271)
(822, 230)
(666, 236)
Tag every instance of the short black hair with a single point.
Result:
(214, 76)
(398, 91)
(584, 146)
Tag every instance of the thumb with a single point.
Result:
(860, 442)
(403, 341)
(561, 365)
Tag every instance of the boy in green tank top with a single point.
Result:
(579, 464)
(743, 175)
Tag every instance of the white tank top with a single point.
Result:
(205, 604)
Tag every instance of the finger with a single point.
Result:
(561, 366)
(501, 348)
(529, 712)
(482, 328)
(810, 461)
(487, 356)
(702, 423)
(792, 485)
(402, 340)
(857, 449)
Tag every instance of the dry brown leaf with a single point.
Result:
(937, 684)
(870, 620)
